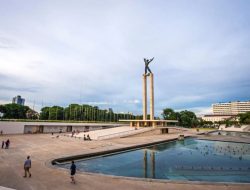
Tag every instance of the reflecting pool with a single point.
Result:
(189, 159)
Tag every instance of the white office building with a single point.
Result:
(231, 108)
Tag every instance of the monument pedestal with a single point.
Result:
(144, 95)
(149, 123)
(152, 115)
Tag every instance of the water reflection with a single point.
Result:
(152, 156)
(145, 164)
(151, 165)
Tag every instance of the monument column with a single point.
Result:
(151, 96)
(144, 96)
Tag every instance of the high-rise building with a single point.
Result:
(232, 108)
(18, 100)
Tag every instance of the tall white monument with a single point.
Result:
(148, 73)
(145, 122)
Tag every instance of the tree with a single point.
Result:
(185, 118)
(169, 114)
(14, 111)
(56, 113)
(44, 114)
(243, 117)
(188, 119)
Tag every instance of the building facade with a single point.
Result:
(217, 118)
(231, 108)
(18, 100)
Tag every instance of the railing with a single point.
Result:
(124, 133)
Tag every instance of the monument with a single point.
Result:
(145, 122)
(151, 78)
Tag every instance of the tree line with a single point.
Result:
(73, 112)
(189, 119)
(76, 112)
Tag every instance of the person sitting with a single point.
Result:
(84, 137)
(88, 138)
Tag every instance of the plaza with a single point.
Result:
(43, 148)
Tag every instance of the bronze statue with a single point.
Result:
(147, 69)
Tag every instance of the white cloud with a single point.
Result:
(184, 99)
(93, 52)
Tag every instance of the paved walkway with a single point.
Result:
(43, 148)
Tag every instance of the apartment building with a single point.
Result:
(231, 108)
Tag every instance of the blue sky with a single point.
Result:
(59, 52)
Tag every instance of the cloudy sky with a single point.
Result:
(56, 52)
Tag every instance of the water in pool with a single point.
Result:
(191, 159)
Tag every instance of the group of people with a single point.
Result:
(75, 132)
(86, 138)
(6, 144)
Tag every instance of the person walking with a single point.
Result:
(72, 171)
(7, 144)
(3, 144)
(27, 166)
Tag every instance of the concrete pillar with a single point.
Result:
(153, 124)
(138, 124)
(144, 97)
(151, 96)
